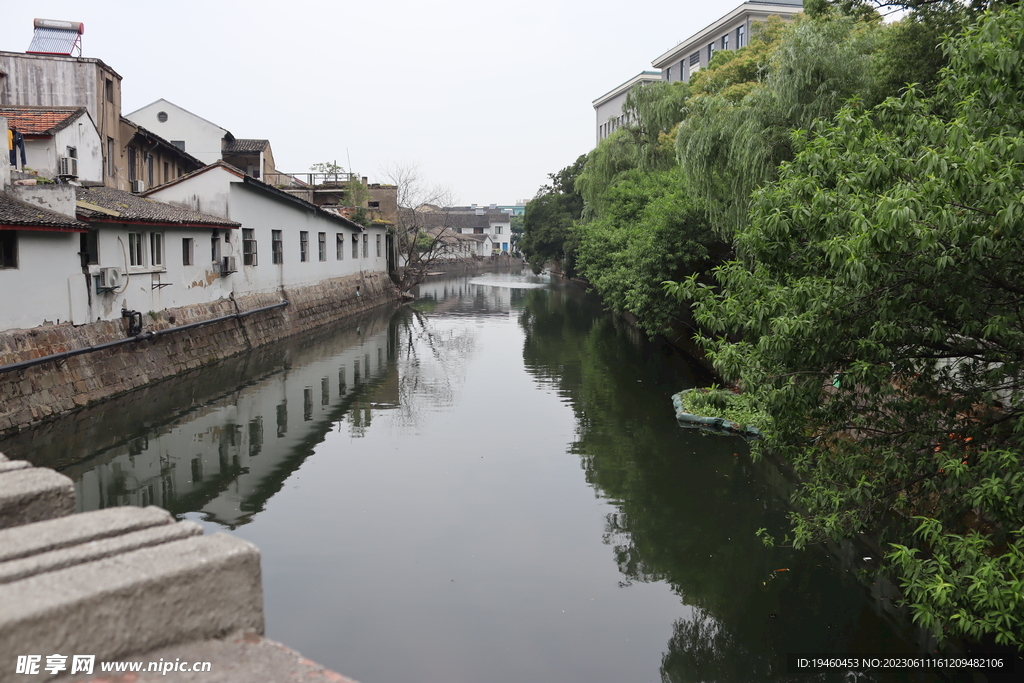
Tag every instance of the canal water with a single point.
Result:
(486, 485)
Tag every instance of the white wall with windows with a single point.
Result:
(283, 242)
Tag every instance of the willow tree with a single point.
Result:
(728, 147)
(881, 310)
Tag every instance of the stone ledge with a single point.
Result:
(199, 587)
(34, 494)
(55, 534)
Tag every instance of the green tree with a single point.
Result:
(728, 149)
(882, 323)
(549, 217)
(650, 231)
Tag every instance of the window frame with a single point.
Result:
(321, 243)
(188, 251)
(304, 246)
(339, 246)
(156, 249)
(249, 256)
(136, 250)
(9, 253)
(276, 247)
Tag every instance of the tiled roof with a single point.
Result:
(443, 219)
(40, 120)
(245, 145)
(16, 212)
(124, 207)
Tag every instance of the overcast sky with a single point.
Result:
(487, 98)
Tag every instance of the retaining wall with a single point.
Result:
(40, 392)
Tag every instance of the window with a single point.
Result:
(110, 157)
(682, 70)
(215, 248)
(249, 246)
(725, 42)
(378, 246)
(161, 116)
(741, 34)
(373, 205)
(497, 230)
(478, 231)
(711, 51)
(186, 251)
(149, 170)
(321, 238)
(8, 249)
(167, 172)
(277, 246)
(108, 89)
(303, 245)
(156, 248)
(89, 247)
(131, 164)
(135, 249)
(668, 74)
(355, 246)
(694, 59)
(366, 245)
(340, 247)
(180, 144)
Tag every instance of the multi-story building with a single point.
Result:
(731, 32)
(608, 107)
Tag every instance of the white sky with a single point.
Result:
(486, 97)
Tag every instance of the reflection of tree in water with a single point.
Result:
(702, 650)
(688, 506)
(431, 362)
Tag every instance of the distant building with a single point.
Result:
(731, 32)
(608, 107)
(204, 139)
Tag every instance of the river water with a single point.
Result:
(487, 485)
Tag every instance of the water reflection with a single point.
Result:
(687, 508)
(222, 440)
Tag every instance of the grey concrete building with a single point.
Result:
(608, 107)
(730, 32)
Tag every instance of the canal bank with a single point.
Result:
(108, 361)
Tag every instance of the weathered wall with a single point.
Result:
(50, 389)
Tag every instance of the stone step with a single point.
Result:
(134, 601)
(32, 494)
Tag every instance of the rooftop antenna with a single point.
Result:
(55, 37)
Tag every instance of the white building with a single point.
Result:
(731, 32)
(58, 141)
(285, 241)
(204, 139)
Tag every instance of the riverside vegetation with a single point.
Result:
(839, 206)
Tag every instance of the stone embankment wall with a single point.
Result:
(50, 389)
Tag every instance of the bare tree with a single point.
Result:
(424, 230)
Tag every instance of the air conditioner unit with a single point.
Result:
(138, 186)
(110, 278)
(230, 265)
(67, 166)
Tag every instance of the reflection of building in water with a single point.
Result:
(226, 458)
(460, 294)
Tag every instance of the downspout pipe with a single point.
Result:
(128, 340)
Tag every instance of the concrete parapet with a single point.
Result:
(56, 534)
(151, 597)
(33, 494)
